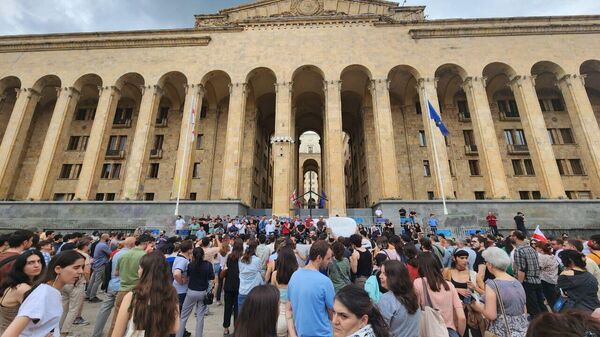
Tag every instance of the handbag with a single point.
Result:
(489, 333)
(432, 323)
(559, 304)
(209, 297)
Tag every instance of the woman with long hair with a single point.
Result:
(40, 312)
(151, 308)
(27, 269)
(576, 284)
(250, 272)
(285, 266)
(411, 253)
(443, 294)
(222, 260)
(399, 306)
(258, 316)
(355, 315)
(548, 271)
(200, 273)
(231, 284)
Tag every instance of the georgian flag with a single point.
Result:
(538, 235)
(193, 121)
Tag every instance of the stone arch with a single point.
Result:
(591, 70)
(9, 82)
(450, 78)
(46, 81)
(87, 79)
(548, 67)
(498, 76)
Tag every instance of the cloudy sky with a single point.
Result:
(54, 16)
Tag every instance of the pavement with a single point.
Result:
(213, 323)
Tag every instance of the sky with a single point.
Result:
(63, 16)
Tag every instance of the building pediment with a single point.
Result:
(294, 10)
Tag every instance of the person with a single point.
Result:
(548, 271)
(465, 282)
(73, 294)
(578, 286)
(411, 253)
(590, 265)
(179, 224)
(383, 247)
(259, 315)
(378, 213)
(101, 256)
(520, 223)
(285, 266)
(127, 270)
(180, 270)
(512, 297)
(492, 222)
(19, 241)
(527, 269)
(222, 260)
(433, 223)
(355, 315)
(443, 295)
(321, 226)
(249, 271)
(311, 294)
(361, 261)
(40, 312)
(231, 284)
(571, 323)
(263, 252)
(150, 308)
(478, 245)
(399, 306)
(594, 245)
(200, 273)
(27, 269)
(339, 269)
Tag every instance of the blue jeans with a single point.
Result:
(104, 312)
(240, 299)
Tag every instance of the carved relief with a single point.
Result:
(307, 7)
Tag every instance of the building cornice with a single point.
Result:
(105, 40)
(256, 4)
(495, 21)
(505, 30)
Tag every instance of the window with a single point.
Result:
(517, 167)
(99, 197)
(469, 138)
(148, 196)
(562, 167)
(508, 108)
(196, 171)
(479, 195)
(162, 115)
(123, 116)
(310, 149)
(567, 136)
(65, 171)
(576, 167)
(557, 104)
(536, 195)
(524, 195)
(551, 104)
(474, 167)
(73, 143)
(111, 171)
(63, 196)
(76, 171)
(451, 168)
(110, 196)
(153, 170)
(430, 195)
(463, 108)
(158, 142)
(422, 141)
(528, 167)
(80, 114)
(553, 136)
(523, 167)
(117, 143)
(426, 169)
(193, 196)
(203, 111)
(418, 107)
(515, 137)
(199, 139)
(84, 143)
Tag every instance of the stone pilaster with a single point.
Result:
(585, 127)
(485, 138)
(282, 147)
(63, 112)
(14, 136)
(138, 158)
(384, 133)
(107, 104)
(534, 126)
(230, 181)
(187, 138)
(443, 179)
(334, 149)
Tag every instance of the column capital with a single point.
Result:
(470, 80)
(30, 92)
(374, 83)
(569, 78)
(518, 80)
(158, 90)
(195, 88)
(283, 86)
(421, 82)
(70, 91)
(336, 84)
(239, 85)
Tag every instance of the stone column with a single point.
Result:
(584, 125)
(534, 126)
(230, 181)
(282, 147)
(334, 149)
(427, 91)
(485, 138)
(107, 104)
(384, 133)
(63, 111)
(138, 158)
(187, 138)
(14, 136)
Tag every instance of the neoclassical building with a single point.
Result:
(108, 116)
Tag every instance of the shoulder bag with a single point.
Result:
(488, 333)
(432, 323)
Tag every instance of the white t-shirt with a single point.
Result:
(44, 304)
(179, 224)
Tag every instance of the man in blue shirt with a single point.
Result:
(433, 223)
(311, 294)
(101, 255)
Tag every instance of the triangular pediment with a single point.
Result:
(307, 9)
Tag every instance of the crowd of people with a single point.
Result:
(296, 277)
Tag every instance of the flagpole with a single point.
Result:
(435, 156)
(185, 150)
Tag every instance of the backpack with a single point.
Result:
(372, 288)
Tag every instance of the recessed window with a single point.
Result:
(148, 196)
(199, 141)
(422, 141)
(426, 169)
(153, 170)
(430, 195)
(474, 167)
(193, 196)
(479, 195)
(111, 171)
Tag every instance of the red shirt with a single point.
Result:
(491, 220)
(413, 272)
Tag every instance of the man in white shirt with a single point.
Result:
(270, 228)
(179, 223)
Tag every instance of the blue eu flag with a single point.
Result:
(437, 119)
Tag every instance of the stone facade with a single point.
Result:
(108, 116)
